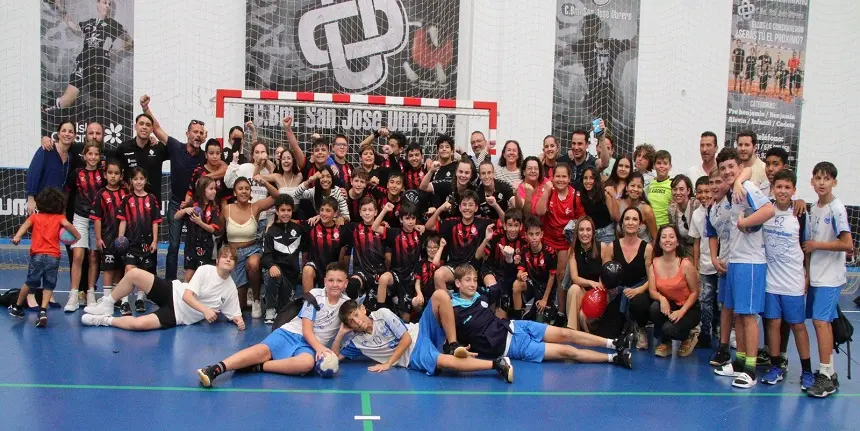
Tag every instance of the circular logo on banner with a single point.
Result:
(746, 10)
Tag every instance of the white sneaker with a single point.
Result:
(256, 310)
(96, 320)
(73, 303)
(91, 297)
(270, 315)
(104, 307)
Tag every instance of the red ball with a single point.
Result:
(594, 303)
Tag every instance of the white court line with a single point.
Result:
(367, 418)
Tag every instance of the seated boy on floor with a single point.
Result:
(384, 338)
(294, 347)
(491, 336)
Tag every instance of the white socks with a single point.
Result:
(141, 296)
(827, 370)
(107, 290)
(610, 357)
(610, 344)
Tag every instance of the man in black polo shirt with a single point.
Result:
(184, 157)
(578, 156)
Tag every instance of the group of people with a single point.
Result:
(406, 257)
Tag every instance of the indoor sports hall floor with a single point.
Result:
(73, 377)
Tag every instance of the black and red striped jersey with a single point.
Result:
(354, 205)
(393, 162)
(196, 174)
(139, 213)
(87, 183)
(495, 262)
(324, 243)
(540, 265)
(105, 208)
(423, 272)
(405, 251)
(392, 217)
(464, 239)
(196, 237)
(369, 248)
(344, 172)
(413, 177)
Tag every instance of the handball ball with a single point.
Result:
(198, 211)
(327, 366)
(121, 244)
(66, 237)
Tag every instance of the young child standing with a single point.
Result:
(702, 259)
(659, 190)
(44, 250)
(282, 246)
(535, 274)
(404, 244)
(104, 214)
(139, 217)
(500, 255)
(717, 229)
(204, 214)
(434, 247)
(828, 240)
(86, 181)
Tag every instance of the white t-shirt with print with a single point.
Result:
(697, 230)
(211, 290)
(782, 236)
(326, 320)
(746, 247)
(380, 345)
(717, 225)
(827, 268)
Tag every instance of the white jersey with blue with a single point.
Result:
(326, 320)
(746, 247)
(717, 225)
(826, 223)
(782, 239)
(380, 344)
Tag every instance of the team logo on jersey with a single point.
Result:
(827, 219)
(473, 230)
(146, 204)
(98, 177)
(336, 235)
(108, 199)
(484, 304)
(359, 63)
(541, 261)
(81, 174)
(131, 203)
(151, 152)
(319, 235)
(293, 232)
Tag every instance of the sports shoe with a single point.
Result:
(43, 320)
(623, 359)
(807, 379)
(625, 340)
(140, 306)
(125, 309)
(82, 298)
(256, 310)
(732, 369)
(823, 386)
(454, 348)
(783, 363)
(505, 368)
(91, 297)
(270, 315)
(774, 375)
(104, 307)
(663, 350)
(689, 344)
(95, 320)
(763, 357)
(73, 303)
(641, 339)
(207, 374)
(744, 380)
(720, 358)
(16, 311)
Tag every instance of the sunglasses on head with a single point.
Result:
(193, 122)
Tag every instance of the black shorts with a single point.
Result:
(197, 256)
(112, 260)
(750, 74)
(162, 295)
(319, 275)
(368, 281)
(90, 74)
(141, 259)
(739, 67)
(403, 289)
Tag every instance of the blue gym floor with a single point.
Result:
(72, 377)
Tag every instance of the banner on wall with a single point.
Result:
(596, 60)
(766, 67)
(402, 48)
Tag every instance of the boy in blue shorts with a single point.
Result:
(294, 347)
(717, 230)
(747, 270)
(491, 336)
(828, 240)
(786, 280)
(384, 338)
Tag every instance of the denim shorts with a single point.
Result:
(42, 271)
(240, 272)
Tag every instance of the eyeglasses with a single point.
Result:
(193, 122)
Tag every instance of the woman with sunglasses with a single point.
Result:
(681, 209)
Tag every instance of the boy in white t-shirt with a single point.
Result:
(717, 229)
(384, 338)
(786, 280)
(210, 291)
(293, 348)
(702, 259)
(828, 240)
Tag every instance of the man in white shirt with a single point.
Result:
(747, 142)
(708, 152)
(210, 291)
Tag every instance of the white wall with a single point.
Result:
(185, 50)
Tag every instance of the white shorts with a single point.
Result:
(87, 229)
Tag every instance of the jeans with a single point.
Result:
(708, 300)
(175, 232)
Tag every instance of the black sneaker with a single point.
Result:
(207, 375)
(624, 359)
(505, 368)
(763, 358)
(125, 309)
(454, 348)
(43, 320)
(625, 341)
(823, 386)
(783, 363)
(256, 368)
(16, 311)
(720, 358)
(140, 306)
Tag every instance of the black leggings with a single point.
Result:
(640, 308)
(667, 330)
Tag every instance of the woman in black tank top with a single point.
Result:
(584, 267)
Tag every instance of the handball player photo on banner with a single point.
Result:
(766, 73)
(87, 66)
(596, 60)
(402, 48)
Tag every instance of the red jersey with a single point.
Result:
(413, 177)
(45, 233)
(558, 214)
(539, 265)
(139, 213)
(87, 183)
(105, 208)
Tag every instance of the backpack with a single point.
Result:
(291, 310)
(843, 331)
(9, 297)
